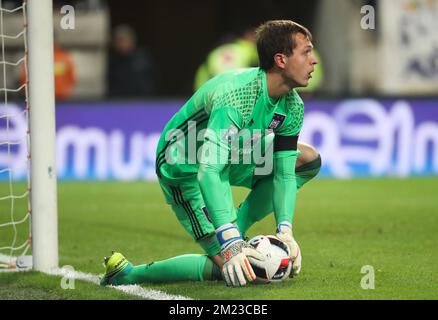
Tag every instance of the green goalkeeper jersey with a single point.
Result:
(220, 135)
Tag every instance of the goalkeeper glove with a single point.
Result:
(284, 232)
(235, 252)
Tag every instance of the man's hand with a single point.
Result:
(284, 232)
(237, 269)
(235, 252)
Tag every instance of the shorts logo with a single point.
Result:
(276, 121)
(204, 209)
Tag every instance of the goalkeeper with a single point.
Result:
(204, 150)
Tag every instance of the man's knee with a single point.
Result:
(308, 169)
(309, 154)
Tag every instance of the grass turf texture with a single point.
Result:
(341, 226)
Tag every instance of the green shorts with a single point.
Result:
(186, 201)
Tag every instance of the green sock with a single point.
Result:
(258, 204)
(188, 267)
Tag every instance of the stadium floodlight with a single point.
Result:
(39, 111)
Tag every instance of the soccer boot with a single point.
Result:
(115, 266)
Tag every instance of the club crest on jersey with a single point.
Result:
(276, 121)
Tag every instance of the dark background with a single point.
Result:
(179, 34)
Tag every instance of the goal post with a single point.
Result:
(43, 195)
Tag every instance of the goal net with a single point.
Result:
(28, 195)
(15, 208)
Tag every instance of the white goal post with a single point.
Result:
(42, 135)
(28, 135)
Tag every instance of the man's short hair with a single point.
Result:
(277, 36)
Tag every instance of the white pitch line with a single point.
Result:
(134, 290)
(6, 270)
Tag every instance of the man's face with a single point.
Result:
(124, 44)
(299, 65)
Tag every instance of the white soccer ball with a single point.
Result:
(278, 263)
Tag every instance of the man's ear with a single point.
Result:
(279, 60)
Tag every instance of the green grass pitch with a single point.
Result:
(341, 225)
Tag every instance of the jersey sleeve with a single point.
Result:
(285, 157)
(294, 117)
(215, 187)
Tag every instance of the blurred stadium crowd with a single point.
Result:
(150, 49)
